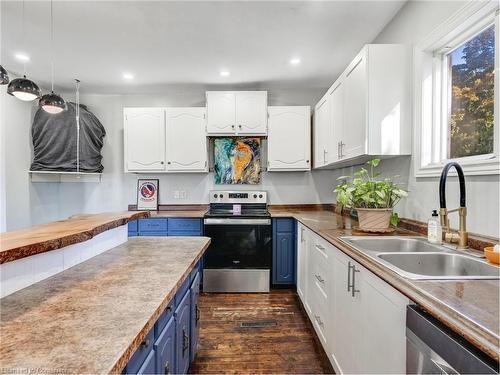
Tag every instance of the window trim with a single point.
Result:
(430, 148)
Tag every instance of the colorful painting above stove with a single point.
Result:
(237, 160)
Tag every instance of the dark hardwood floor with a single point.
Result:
(227, 348)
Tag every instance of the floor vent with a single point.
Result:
(271, 323)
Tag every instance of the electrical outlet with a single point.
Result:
(176, 194)
(183, 194)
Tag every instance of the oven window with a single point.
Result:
(239, 246)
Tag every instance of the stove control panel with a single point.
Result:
(238, 197)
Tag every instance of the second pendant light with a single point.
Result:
(52, 103)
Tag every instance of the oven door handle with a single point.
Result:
(239, 221)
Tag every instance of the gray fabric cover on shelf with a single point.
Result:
(54, 141)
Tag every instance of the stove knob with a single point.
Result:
(260, 195)
(220, 196)
(255, 195)
(215, 195)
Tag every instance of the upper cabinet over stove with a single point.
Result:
(237, 113)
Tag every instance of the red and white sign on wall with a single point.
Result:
(147, 194)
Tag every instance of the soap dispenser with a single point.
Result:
(434, 229)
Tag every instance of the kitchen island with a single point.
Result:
(92, 317)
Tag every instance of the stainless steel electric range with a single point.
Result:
(240, 255)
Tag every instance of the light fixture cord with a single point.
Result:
(23, 40)
(77, 111)
(52, 42)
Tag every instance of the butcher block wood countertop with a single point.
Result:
(89, 319)
(470, 308)
(51, 236)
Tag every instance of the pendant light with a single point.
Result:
(4, 76)
(23, 88)
(52, 103)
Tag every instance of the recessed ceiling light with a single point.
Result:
(224, 73)
(295, 61)
(22, 57)
(128, 76)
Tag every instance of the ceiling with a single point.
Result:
(185, 43)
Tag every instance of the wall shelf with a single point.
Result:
(55, 176)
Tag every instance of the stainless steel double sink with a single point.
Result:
(415, 258)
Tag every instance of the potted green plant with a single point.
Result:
(372, 198)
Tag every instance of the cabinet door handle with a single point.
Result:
(301, 234)
(145, 343)
(318, 319)
(239, 126)
(353, 285)
(232, 126)
(349, 277)
(319, 247)
(319, 278)
(338, 150)
(197, 314)
(342, 144)
(185, 342)
(166, 368)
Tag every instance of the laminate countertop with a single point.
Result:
(92, 317)
(469, 307)
(52, 236)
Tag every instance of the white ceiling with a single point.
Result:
(185, 43)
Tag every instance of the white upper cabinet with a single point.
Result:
(336, 127)
(289, 139)
(221, 112)
(186, 140)
(144, 139)
(353, 139)
(370, 109)
(251, 112)
(237, 112)
(321, 128)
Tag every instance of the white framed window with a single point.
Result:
(457, 93)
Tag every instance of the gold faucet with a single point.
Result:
(448, 236)
(462, 236)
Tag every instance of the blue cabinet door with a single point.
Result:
(284, 254)
(285, 262)
(182, 333)
(165, 349)
(195, 316)
(153, 225)
(149, 365)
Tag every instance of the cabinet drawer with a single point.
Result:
(153, 225)
(164, 318)
(320, 315)
(188, 225)
(284, 225)
(136, 361)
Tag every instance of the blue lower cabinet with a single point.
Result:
(153, 225)
(165, 349)
(141, 354)
(149, 365)
(284, 252)
(184, 225)
(182, 333)
(195, 316)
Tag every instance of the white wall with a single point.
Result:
(414, 22)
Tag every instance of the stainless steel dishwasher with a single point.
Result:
(432, 348)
